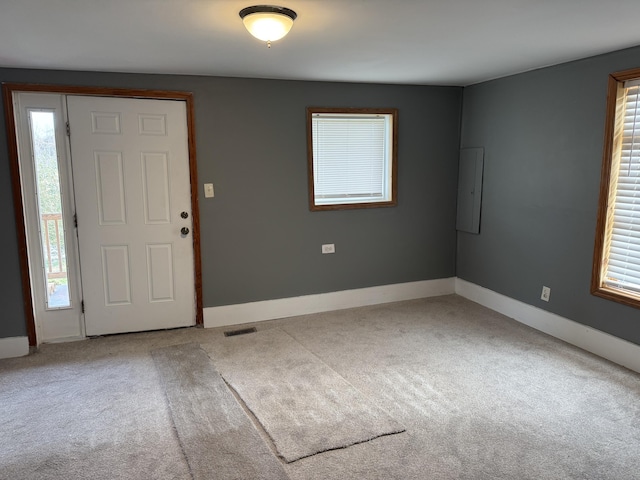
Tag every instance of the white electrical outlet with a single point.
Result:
(546, 293)
(208, 190)
(328, 248)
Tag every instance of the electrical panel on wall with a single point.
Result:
(470, 170)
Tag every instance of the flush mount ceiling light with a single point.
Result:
(268, 23)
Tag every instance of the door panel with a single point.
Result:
(110, 188)
(160, 272)
(131, 175)
(116, 275)
(155, 184)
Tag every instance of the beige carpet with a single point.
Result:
(481, 397)
(216, 436)
(303, 405)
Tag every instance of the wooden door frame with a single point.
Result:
(8, 89)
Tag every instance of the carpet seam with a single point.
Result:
(346, 381)
(273, 443)
(403, 429)
(168, 401)
(173, 421)
(254, 420)
(333, 369)
(387, 434)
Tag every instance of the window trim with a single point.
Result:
(393, 161)
(598, 288)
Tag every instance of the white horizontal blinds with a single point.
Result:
(623, 266)
(349, 157)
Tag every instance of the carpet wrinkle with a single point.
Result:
(178, 439)
(378, 392)
(217, 437)
(305, 407)
(256, 423)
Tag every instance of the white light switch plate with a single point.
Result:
(329, 248)
(208, 190)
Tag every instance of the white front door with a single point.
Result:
(130, 165)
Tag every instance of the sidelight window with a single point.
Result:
(49, 204)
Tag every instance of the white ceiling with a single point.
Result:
(438, 42)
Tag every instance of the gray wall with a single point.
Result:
(542, 132)
(259, 239)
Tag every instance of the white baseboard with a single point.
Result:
(324, 302)
(595, 341)
(14, 347)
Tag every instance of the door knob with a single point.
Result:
(184, 231)
(184, 215)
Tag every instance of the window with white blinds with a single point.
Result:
(351, 158)
(617, 275)
(623, 266)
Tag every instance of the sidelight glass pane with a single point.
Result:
(52, 228)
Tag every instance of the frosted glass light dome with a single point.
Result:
(268, 23)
